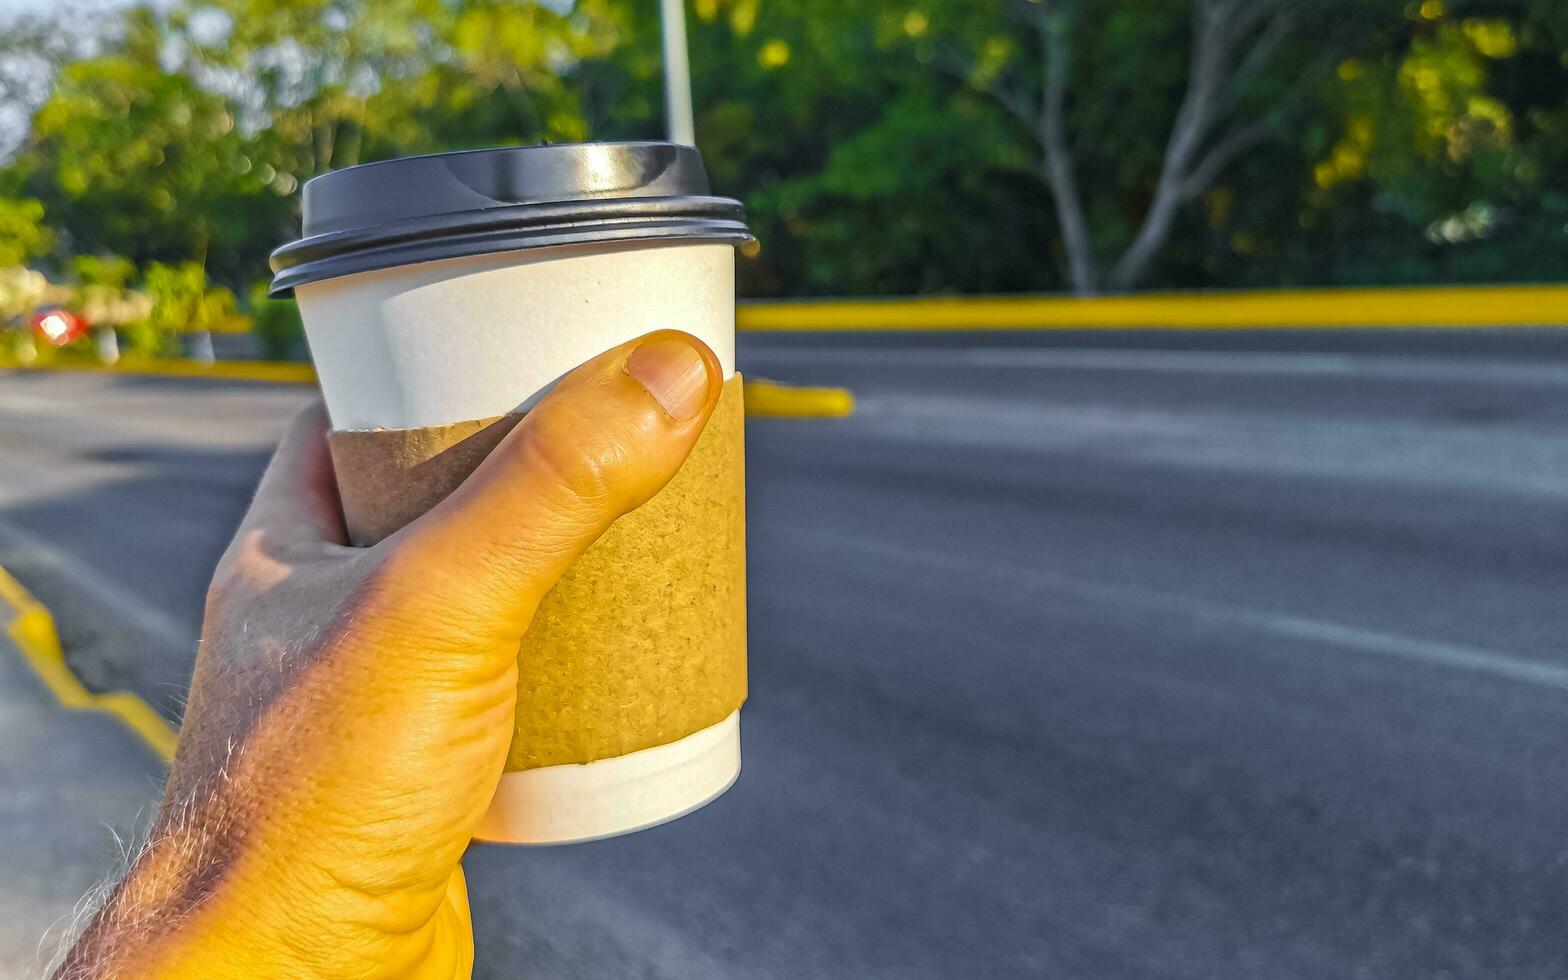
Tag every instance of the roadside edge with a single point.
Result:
(30, 627)
(764, 399)
(1282, 309)
(771, 399)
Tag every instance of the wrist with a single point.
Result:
(173, 916)
(238, 917)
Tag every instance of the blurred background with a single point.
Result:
(947, 146)
(1147, 650)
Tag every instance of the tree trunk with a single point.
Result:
(1218, 28)
(1057, 167)
(1193, 159)
(1193, 121)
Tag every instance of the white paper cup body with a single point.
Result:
(472, 338)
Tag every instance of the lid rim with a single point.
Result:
(554, 214)
(475, 151)
(508, 239)
(470, 202)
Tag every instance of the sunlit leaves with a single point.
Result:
(103, 294)
(1492, 38)
(1421, 111)
(866, 137)
(23, 290)
(180, 300)
(741, 15)
(23, 234)
(774, 54)
(139, 161)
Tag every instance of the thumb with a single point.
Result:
(607, 438)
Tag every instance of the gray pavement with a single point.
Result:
(1099, 655)
(77, 788)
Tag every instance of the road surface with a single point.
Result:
(1073, 655)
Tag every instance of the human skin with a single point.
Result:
(351, 708)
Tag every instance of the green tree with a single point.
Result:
(23, 234)
(277, 324)
(103, 293)
(138, 161)
(888, 147)
(863, 170)
(885, 146)
(34, 45)
(1148, 101)
(332, 83)
(182, 301)
(1444, 156)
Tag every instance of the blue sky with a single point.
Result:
(38, 6)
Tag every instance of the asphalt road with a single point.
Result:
(1167, 655)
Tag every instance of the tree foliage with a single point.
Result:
(23, 235)
(132, 159)
(181, 301)
(883, 146)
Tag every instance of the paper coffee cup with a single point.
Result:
(441, 295)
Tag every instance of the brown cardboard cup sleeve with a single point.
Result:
(643, 640)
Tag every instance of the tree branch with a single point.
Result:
(1007, 97)
(1046, 122)
(1219, 156)
(1268, 41)
(1193, 121)
(1244, 137)
(1263, 48)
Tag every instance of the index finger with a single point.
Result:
(297, 500)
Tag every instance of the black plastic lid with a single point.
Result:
(450, 205)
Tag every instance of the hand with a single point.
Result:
(351, 708)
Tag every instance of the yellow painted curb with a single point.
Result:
(32, 629)
(1449, 306)
(270, 371)
(771, 400)
(768, 399)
